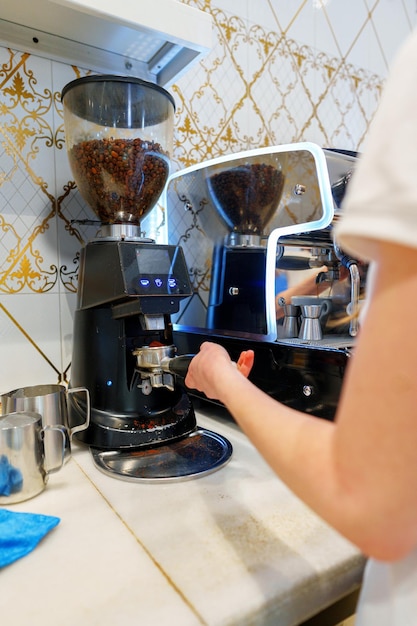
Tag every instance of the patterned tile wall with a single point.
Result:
(279, 72)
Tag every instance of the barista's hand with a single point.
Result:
(245, 362)
(212, 371)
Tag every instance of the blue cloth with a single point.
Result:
(20, 533)
(11, 480)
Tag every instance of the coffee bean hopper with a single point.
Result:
(142, 424)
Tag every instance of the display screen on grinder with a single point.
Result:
(161, 271)
(153, 259)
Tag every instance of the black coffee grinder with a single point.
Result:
(142, 427)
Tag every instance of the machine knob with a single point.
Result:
(308, 390)
(299, 189)
(233, 291)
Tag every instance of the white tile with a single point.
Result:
(392, 24)
(337, 26)
(68, 301)
(30, 331)
(233, 7)
(275, 15)
(28, 121)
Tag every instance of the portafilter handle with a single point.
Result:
(177, 365)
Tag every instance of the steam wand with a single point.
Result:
(352, 266)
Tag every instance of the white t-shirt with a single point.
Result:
(381, 200)
(389, 593)
(381, 204)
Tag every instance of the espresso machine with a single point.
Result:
(265, 212)
(142, 423)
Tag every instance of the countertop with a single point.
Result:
(234, 547)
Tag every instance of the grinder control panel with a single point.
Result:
(160, 272)
(116, 271)
(155, 270)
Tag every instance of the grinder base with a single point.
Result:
(200, 453)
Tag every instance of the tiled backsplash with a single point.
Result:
(279, 72)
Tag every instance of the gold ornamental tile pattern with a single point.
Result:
(264, 88)
(30, 203)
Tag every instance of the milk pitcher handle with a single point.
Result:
(64, 432)
(76, 429)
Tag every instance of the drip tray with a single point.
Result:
(198, 454)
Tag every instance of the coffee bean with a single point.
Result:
(121, 179)
(247, 196)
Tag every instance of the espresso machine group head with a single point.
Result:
(119, 139)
